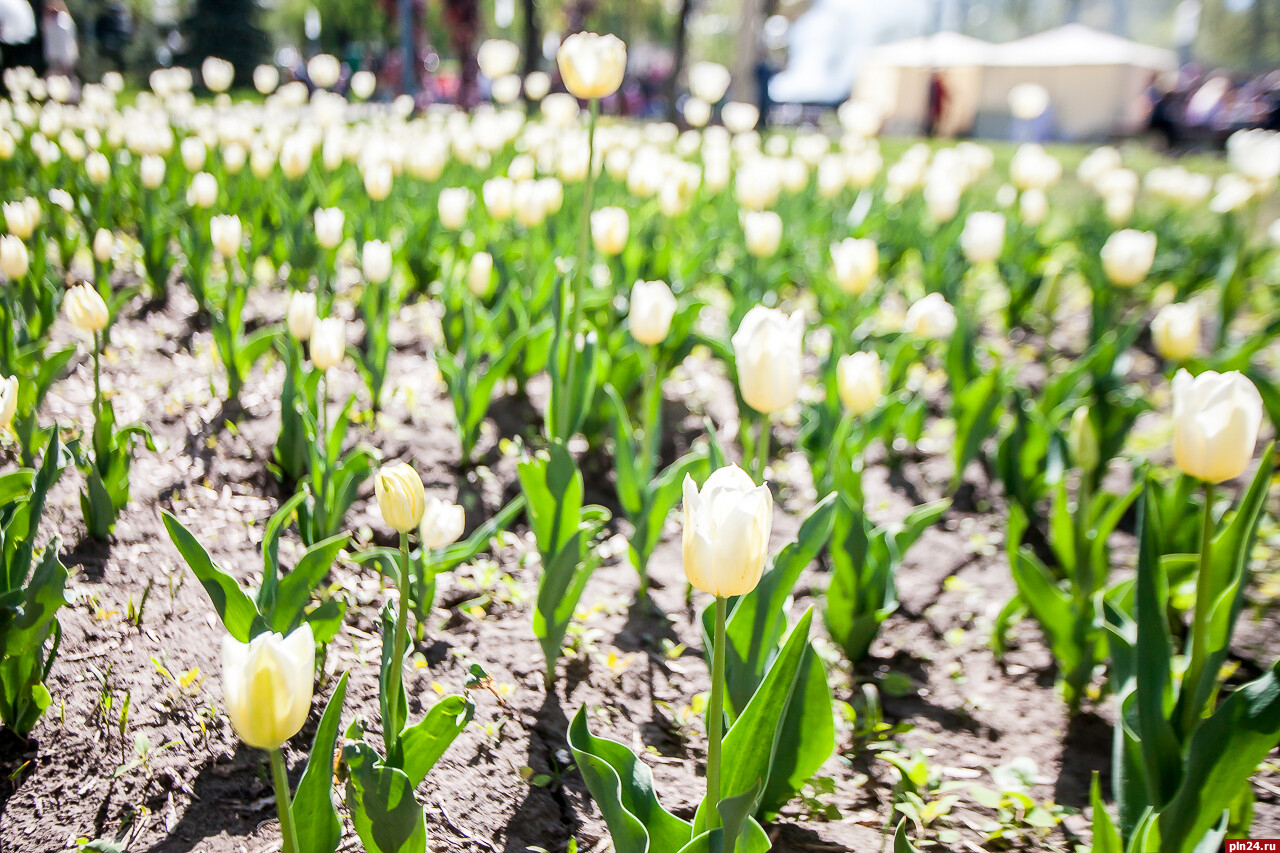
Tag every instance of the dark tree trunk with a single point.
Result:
(462, 17)
(677, 62)
(532, 37)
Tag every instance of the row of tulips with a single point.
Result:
(526, 233)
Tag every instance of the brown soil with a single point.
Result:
(200, 790)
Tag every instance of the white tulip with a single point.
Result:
(18, 219)
(537, 85)
(265, 79)
(14, 259)
(301, 316)
(725, 541)
(218, 74)
(151, 170)
(740, 117)
(499, 197)
(1216, 419)
(610, 227)
(227, 234)
(85, 308)
(104, 243)
(267, 685)
(982, 239)
(378, 180)
(363, 84)
(328, 343)
(497, 58)
(708, 81)
(480, 274)
(591, 65)
(329, 223)
(8, 400)
(931, 317)
(859, 382)
(652, 308)
(443, 523)
(768, 348)
(324, 70)
(856, 263)
(453, 204)
(97, 168)
(1033, 205)
(1176, 331)
(763, 232)
(375, 261)
(1128, 255)
(203, 191)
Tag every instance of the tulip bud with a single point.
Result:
(591, 65)
(8, 400)
(104, 243)
(14, 259)
(1216, 419)
(443, 523)
(452, 206)
(375, 261)
(652, 307)
(726, 532)
(480, 274)
(1082, 440)
(265, 79)
(203, 191)
(401, 498)
(983, 237)
(859, 382)
(193, 153)
(763, 232)
(329, 223)
(609, 230)
(497, 58)
(97, 168)
(301, 316)
(1176, 331)
(267, 685)
(856, 263)
(328, 343)
(85, 309)
(226, 233)
(708, 81)
(930, 317)
(152, 171)
(768, 348)
(1128, 255)
(378, 180)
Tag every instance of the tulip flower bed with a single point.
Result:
(390, 483)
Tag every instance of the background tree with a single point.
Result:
(229, 29)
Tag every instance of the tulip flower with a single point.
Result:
(218, 74)
(725, 543)
(651, 310)
(1033, 205)
(14, 258)
(856, 262)
(8, 400)
(324, 70)
(609, 230)
(768, 348)
(763, 232)
(708, 81)
(97, 168)
(328, 343)
(329, 222)
(859, 382)
(18, 219)
(536, 85)
(983, 237)
(375, 261)
(1128, 255)
(591, 65)
(696, 112)
(1082, 441)
(104, 243)
(740, 117)
(452, 206)
(265, 79)
(226, 233)
(497, 58)
(1176, 331)
(301, 315)
(400, 496)
(151, 171)
(363, 84)
(267, 685)
(193, 153)
(85, 309)
(931, 317)
(499, 197)
(1216, 420)
(443, 523)
(203, 191)
(480, 274)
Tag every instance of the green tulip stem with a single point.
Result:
(402, 641)
(1200, 620)
(762, 448)
(715, 716)
(569, 335)
(97, 379)
(322, 441)
(280, 776)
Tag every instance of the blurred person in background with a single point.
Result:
(61, 47)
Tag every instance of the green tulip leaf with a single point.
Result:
(319, 827)
(383, 810)
(420, 746)
(236, 610)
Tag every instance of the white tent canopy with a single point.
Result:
(1095, 80)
